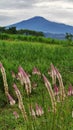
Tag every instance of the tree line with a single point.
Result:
(13, 30)
(26, 32)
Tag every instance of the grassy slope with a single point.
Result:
(28, 55)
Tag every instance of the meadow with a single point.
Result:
(30, 54)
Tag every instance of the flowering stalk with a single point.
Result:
(24, 79)
(56, 92)
(36, 71)
(53, 74)
(39, 110)
(62, 91)
(70, 90)
(51, 93)
(32, 112)
(4, 79)
(21, 106)
(15, 114)
(11, 100)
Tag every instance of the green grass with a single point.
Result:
(30, 54)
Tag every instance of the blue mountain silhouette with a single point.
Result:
(38, 23)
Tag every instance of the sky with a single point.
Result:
(12, 11)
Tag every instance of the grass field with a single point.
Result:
(41, 55)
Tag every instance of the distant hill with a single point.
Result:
(41, 24)
(55, 36)
(38, 23)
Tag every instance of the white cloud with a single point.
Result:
(17, 10)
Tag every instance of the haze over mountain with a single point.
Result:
(38, 23)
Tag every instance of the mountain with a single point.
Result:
(41, 24)
(55, 36)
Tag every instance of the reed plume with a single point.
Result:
(24, 79)
(62, 90)
(55, 74)
(4, 79)
(11, 100)
(51, 93)
(21, 106)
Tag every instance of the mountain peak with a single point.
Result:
(38, 23)
(38, 17)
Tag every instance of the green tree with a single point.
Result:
(11, 30)
(69, 36)
(2, 29)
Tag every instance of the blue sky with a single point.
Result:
(12, 11)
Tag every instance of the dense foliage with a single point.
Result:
(13, 30)
(13, 37)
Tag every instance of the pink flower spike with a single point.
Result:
(37, 110)
(53, 74)
(32, 112)
(24, 79)
(53, 69)
(17, 76)
(44, 78)
(21, 70)
(1, 65)
(15, 114)
(50, 91)
(15, 87)
(41, 110)
(56, 90)
(12, 101)
(36, 71)
(70, 90)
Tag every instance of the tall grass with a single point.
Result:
(41, 39)
(29, 55)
